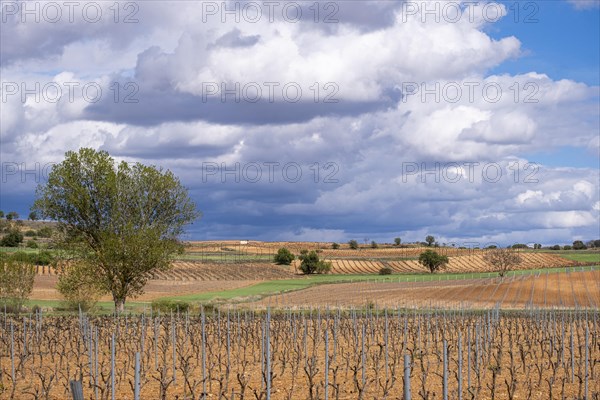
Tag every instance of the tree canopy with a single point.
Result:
(432, 260)
(122, 221)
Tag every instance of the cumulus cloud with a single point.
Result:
(421, 138)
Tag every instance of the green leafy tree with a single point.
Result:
(374, 245)
(1, 214)
(12, 215)
(502, 260)
(16, 281)
(353, 244)
(397, 241)
(13, 238)
(335, 246)
(311, 264)
(121, 221)
(429, 240)
(284, 256)
(433, 261)
(33, 216)
(78, 286)
(578, 245)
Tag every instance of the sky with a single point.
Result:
(475, 122)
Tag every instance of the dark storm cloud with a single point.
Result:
(235, 38)
(154, 107)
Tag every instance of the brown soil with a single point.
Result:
(555, 290)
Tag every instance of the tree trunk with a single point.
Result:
(119, 305)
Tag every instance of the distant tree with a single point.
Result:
(385, 270)
(502, 260)
(374, 245)
(33, 216)
(284, 256)
(537, 246)
(335, 246)
(429, 240)
(353, 244)
(13, 238)
(433, 261)
(45, 232)
(16, 281)
(555, 247)
(12, 215)
(492, 246)
(311, 264)
(578, 245)
(596, 243)
(123, 221)
(397, 241)
(1, 214)
(567, 247)
(519, 246)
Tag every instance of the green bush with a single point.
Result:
(16, 282)
(311, 264)
(335, 246)
(284, 256)
(353, 244)
(30, 233)
(12, 239)
(45, 232)
(385, 271)
(168, 306)
(374, 245)
(79, 286)
(31, 244)
(40, 258)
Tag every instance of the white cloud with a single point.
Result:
(585, 4)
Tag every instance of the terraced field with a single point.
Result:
(471, 263)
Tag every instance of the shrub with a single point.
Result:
(353, 244)
(40, 258)
(31, 244)
(16, 282)
(311, 264)
(567, 247)
(30, 233)
(78, 286)
(284, 256)
(335, 246)
(168, 306)
(555, 247)
(578, 245)
(385, 271)
(12, 239)
(397, 241)
(45, 232)
(374, 245)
